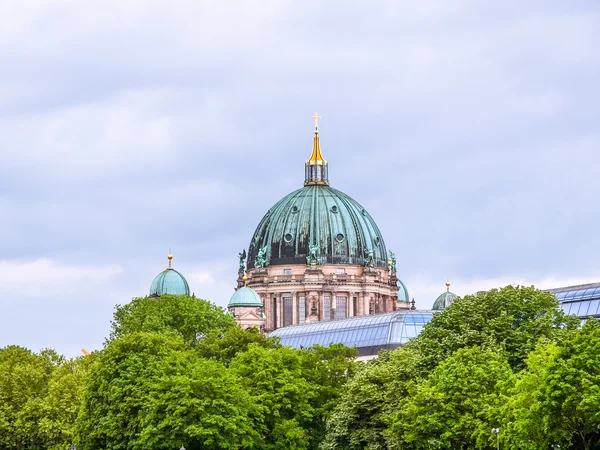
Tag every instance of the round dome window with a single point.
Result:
(364, 212)
(294, 209)
(339, 237)
(288, 237)
(377, 240)
(334, 209)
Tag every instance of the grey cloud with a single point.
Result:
(467, 129)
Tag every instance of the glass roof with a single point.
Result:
(583, 300)
(578, 294)
(365, 331)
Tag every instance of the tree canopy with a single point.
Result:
(190, 317)
(179, 370)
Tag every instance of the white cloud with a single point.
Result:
(45, 277)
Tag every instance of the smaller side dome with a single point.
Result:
(402, 292)
(169, 281)
(245, 296)
(445, 299)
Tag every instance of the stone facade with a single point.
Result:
(300, 294)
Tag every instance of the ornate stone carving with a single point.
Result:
(261, 259)
(242, 257)
(313, 258)
(393, 262)
(369, 258)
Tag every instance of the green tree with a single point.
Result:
(60, 406)
(454, 408)
(520, 414)
(191, 317)
(512, 318)
(118, 387)
(151, 391)
(359, 420)
(24, 378)
(283, 395)
(571, 388)
(199, 403)
(223, 345)
(328, 369)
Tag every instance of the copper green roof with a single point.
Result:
(317, 224)
(245, 296)
(169, 281)
(318, 215)
(444, 300)
(402, 292)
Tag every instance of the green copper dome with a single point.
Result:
(245, 296)
(402, 292)
(444, 300)
(316, 225)
(338, 227)
(169, 281)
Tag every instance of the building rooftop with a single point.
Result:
(368, 334)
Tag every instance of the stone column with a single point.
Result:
(279, 311)
(294, 308)
(351, 304)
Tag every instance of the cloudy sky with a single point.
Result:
(468, 129)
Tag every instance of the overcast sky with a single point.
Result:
(468, 129)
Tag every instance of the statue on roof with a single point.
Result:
(369, 257)
(242, 257)
(261, 259)
(393, 262)
(313, 258)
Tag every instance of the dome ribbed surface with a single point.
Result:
(169, 281)
(245, 296)
(443, 301)
(402, 292)
(321, 215)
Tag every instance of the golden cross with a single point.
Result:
(316, 117)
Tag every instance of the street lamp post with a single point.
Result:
(72, 447)
(497, 431)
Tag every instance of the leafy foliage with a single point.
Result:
(118, 387)
(178, 370)
(24, 378)
(557, 399)
(453, 409)
(224, 345)
(512, 318)
(359, 420)
(199, 403)
(283, 395)
(61, 405)
(190, 317)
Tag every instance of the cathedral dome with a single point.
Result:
(319, 221)
(169, 281)
(318, 215)
(444, 300)
(245, 296)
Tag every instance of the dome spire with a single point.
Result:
(316, 169)
(316, 117)
(169, 257)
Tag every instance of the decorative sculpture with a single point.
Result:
(242, 257)
(261, 259)
(369, 258)
(313, 259)
(393, 263)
